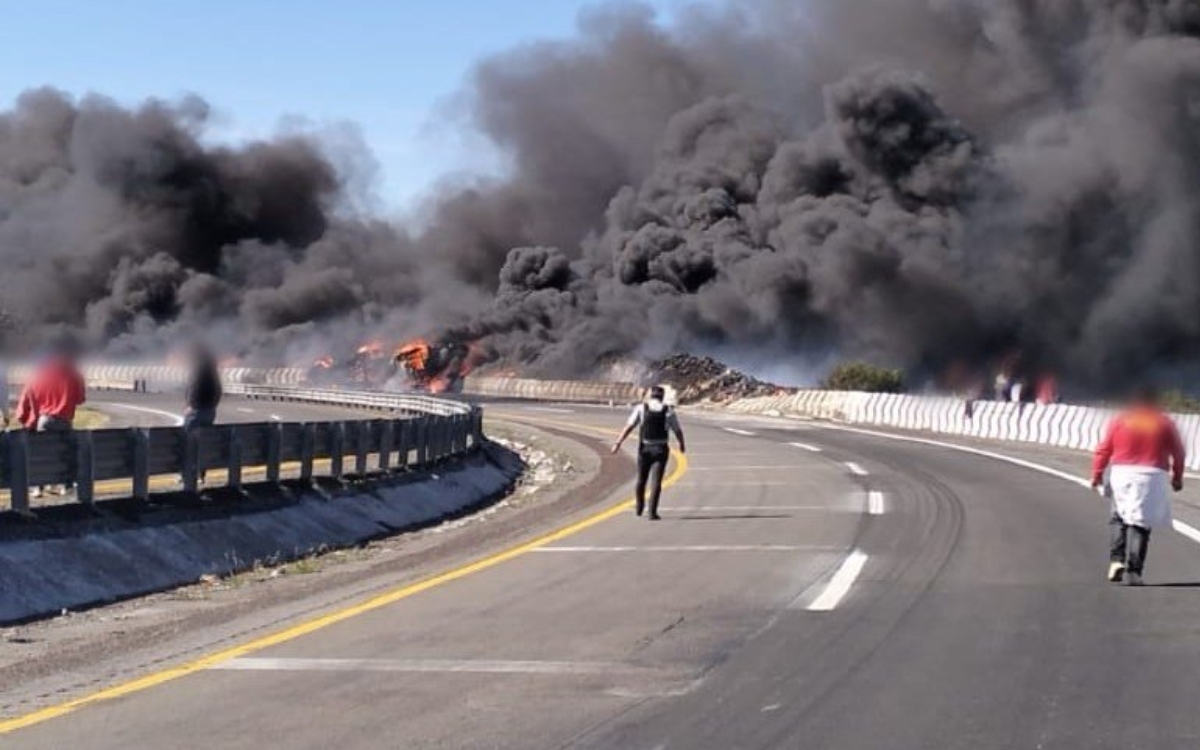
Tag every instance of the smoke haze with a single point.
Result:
(911, 182)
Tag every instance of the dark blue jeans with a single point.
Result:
(1129, 544)
(199, 418)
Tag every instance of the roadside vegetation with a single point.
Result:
(1178, 402)
(861, 376)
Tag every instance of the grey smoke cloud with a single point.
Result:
(912, 182)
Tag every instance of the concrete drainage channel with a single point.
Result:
(75, 556)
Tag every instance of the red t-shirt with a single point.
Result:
(1141, 437)
(54, 391)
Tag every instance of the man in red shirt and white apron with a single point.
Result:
(1144, 457)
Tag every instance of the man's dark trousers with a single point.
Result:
(652, 464)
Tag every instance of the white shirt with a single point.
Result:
(635, 419)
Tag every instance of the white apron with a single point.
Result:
(1141, 495)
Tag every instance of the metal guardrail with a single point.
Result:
(421, 431)
(401, 402)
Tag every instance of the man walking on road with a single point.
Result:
(654, 420)
(1139, 448)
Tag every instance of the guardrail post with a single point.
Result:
(442, 430)
(140, 440)
(362, 440)
(308, 440)
(18, 465)
(386, 439)
(190, 461)
(85, 467)
(461, 427)
(234, 466)
(337, 448)
(420, 427)
(274, 448)
(429, 439)
(403, 442)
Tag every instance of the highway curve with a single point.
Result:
(807, 588)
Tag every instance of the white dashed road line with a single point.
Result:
(876, 506)
(806, 447)
(841, 583)
(855, 469)
(175, 418)
(736, 431)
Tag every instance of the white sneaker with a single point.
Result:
(1133, 579)
(1116, 572)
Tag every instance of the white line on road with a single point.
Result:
(747, 483)
(696, 548)
(841, 583)
(736, 431)
(745, 468)
(1186, 529)
(175, 418)
(551, 410)
(855, 469)
(806, 447)
(875, 503)
(1191, 532)
(729, 508)
(479, 666)
(244, 410)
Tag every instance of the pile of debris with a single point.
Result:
(698, 379)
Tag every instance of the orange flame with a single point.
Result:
(414, 355)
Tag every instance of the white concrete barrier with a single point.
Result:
(1060, 425)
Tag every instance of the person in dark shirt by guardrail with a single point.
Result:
(204, 391)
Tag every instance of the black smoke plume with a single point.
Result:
(914, 182)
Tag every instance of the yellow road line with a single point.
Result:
(324, 621)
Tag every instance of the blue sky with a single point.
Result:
(387, 66)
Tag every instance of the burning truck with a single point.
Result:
(416, 366)
(434, 368)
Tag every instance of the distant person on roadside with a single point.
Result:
(1002, 386)
(204, 391)
(54, 391)
(654, 420)
(5, 395)
(1047, 390)
(1144, 457)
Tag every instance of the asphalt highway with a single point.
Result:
(807, 587)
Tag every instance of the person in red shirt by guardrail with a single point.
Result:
(1144, 457)
(49, 400)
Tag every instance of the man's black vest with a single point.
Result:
(654, 425)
